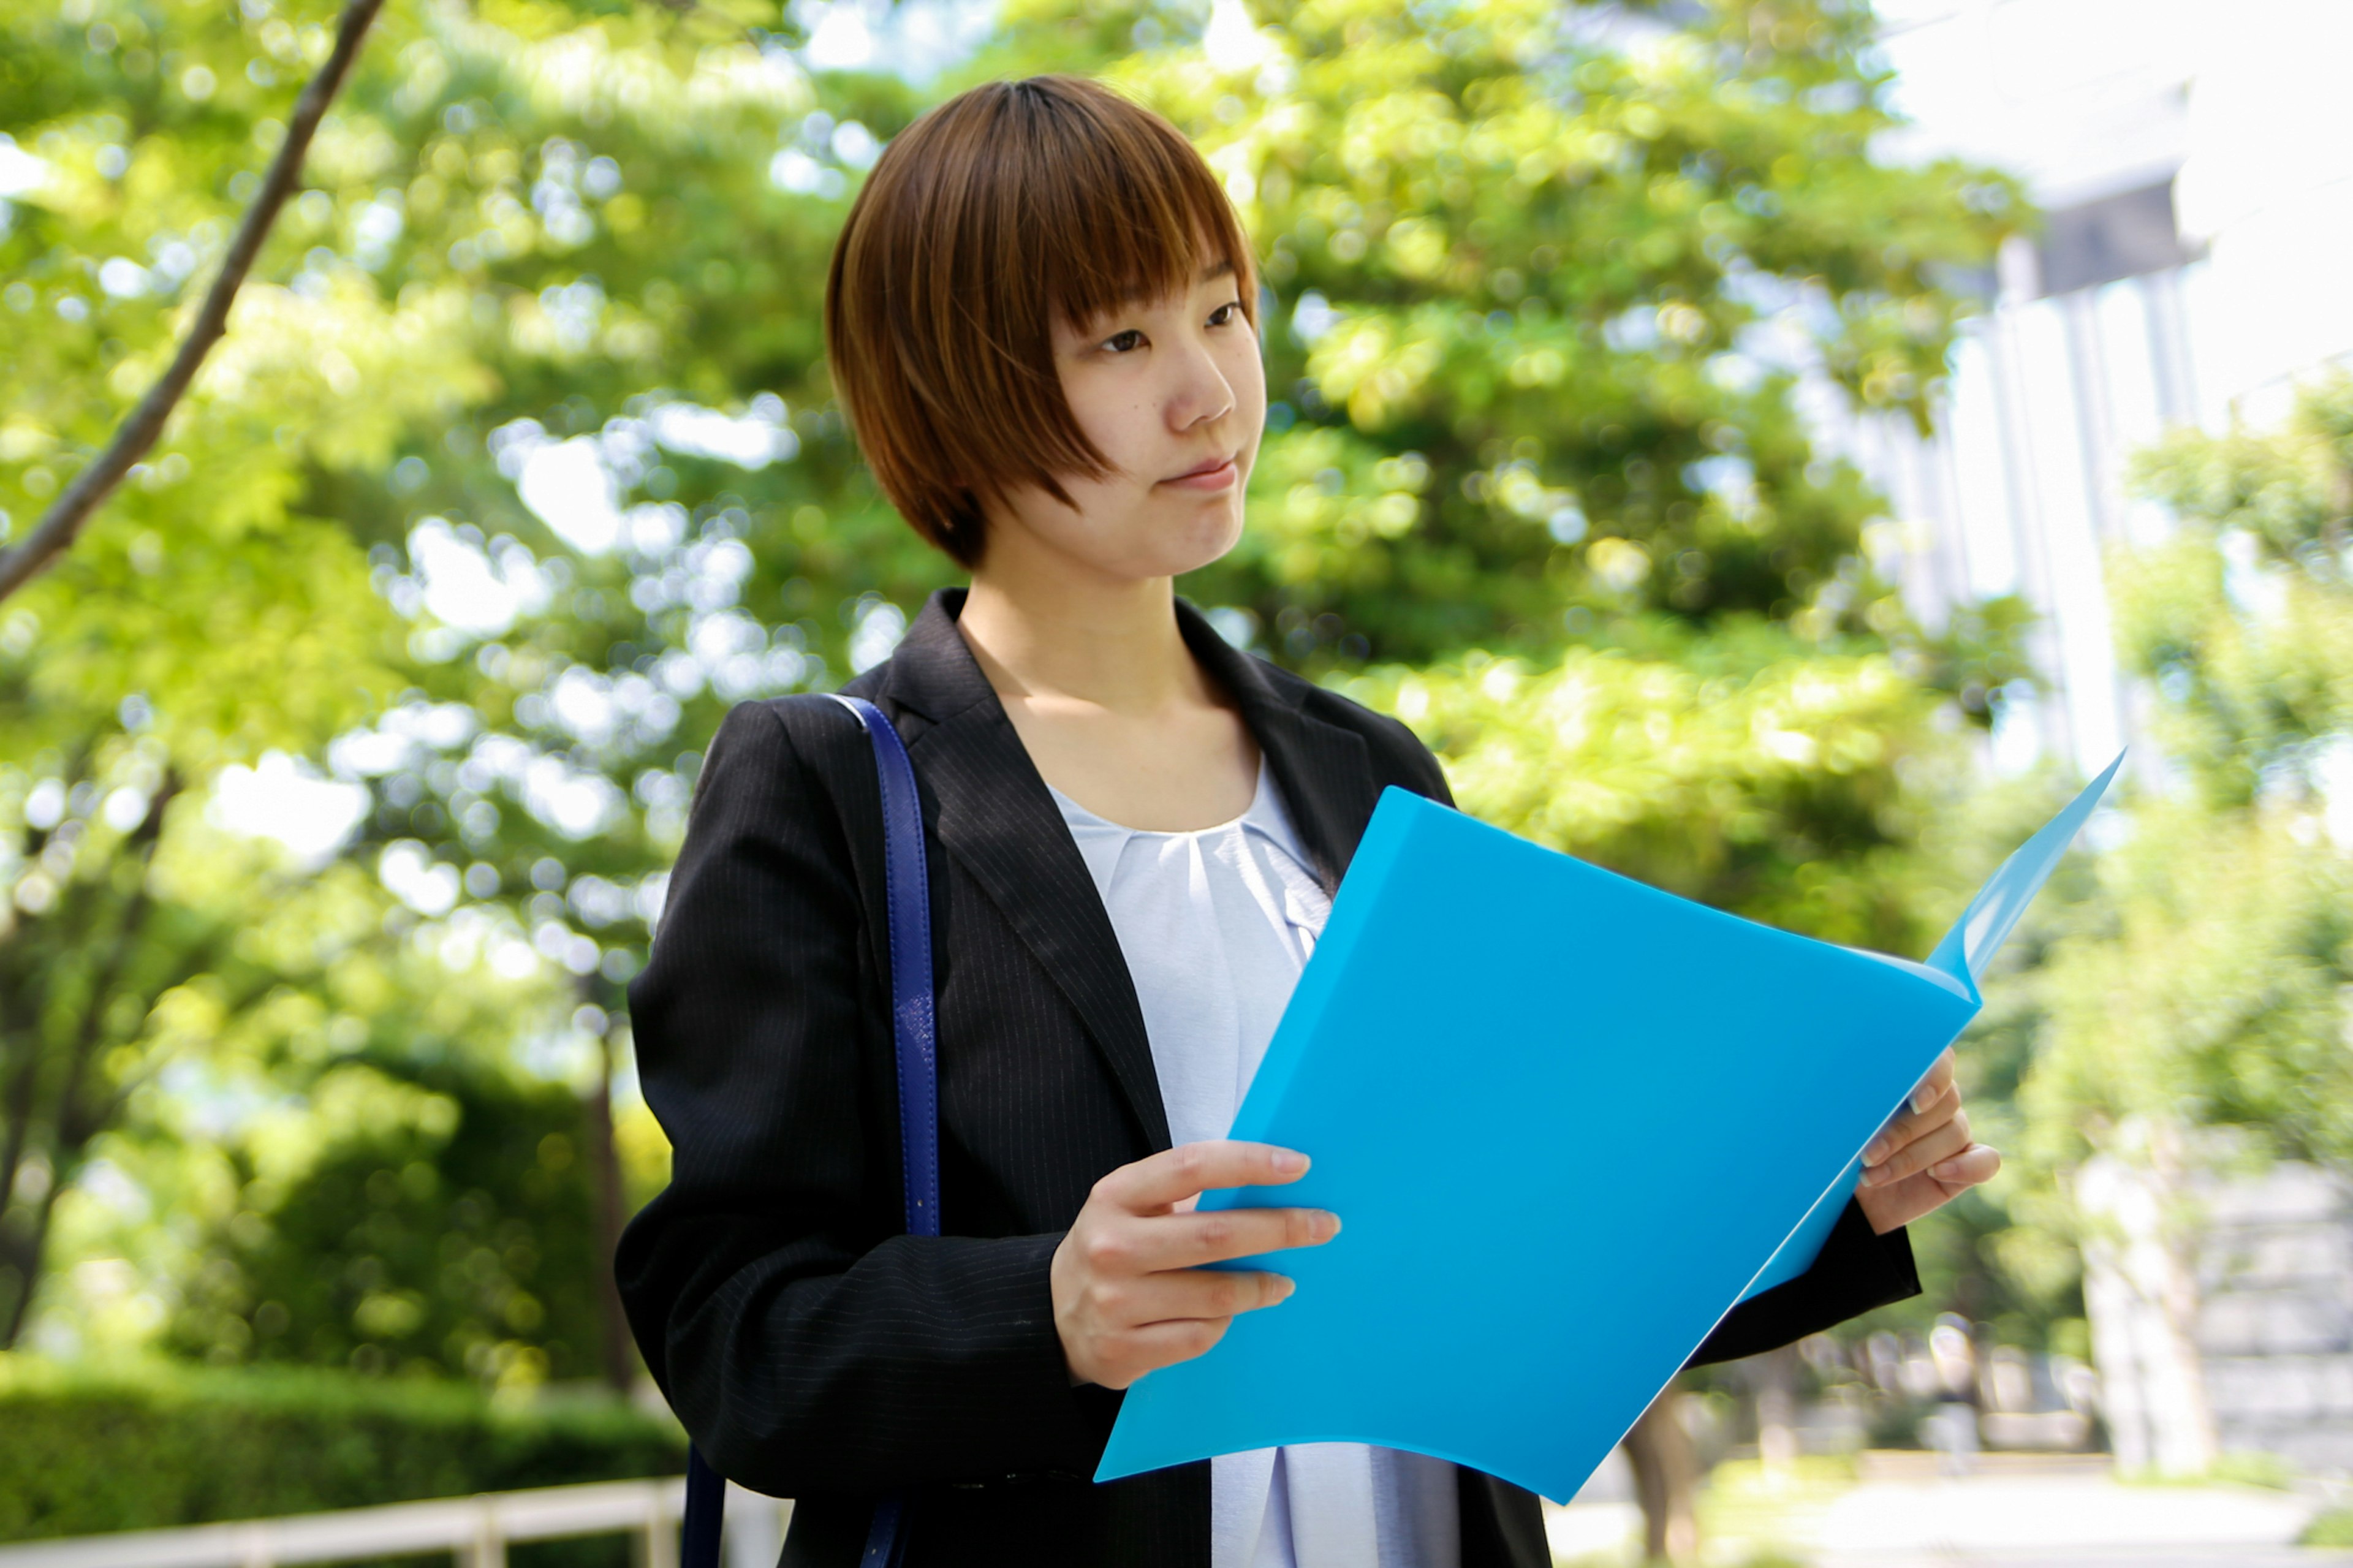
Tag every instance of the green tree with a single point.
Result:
(519, 463)
(1778, 791)
(2209, 994)
(445, 1227)
(225, 603)
(2196, 1013)
(1544, 285)
(82, 976)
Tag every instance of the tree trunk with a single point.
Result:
(2140, 1291)
(82, 1104)
(20, 1260)
(1774, 1376)
(1666, 1480)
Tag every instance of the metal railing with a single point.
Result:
(476, 1530)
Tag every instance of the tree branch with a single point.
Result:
(27, 1270)
(16, 1111)
(76, 1124)
(63, 522)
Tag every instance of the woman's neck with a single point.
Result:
(1062, 636)
(1095, 678)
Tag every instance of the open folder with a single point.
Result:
(1567, 1121)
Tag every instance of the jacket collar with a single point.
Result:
(997, 819)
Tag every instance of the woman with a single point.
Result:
(1042, 323)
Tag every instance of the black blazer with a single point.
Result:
(815, 1352)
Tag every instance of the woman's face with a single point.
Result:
(1172, 391)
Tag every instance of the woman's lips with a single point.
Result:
(1214, 476)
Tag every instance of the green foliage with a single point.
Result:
(2208, 988)
(447, 1230)
(2332, 1528)
(1776, 791)
(1542, 290)
(456, 262)
(2210, 993)
(81, 971)
(149, 1446)
(2243, 620)
(1542, 294)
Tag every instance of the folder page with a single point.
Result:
(1567, 1120)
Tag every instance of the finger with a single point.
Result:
(1926, 1192)
(1901, 1203)
(1153, 1183)
(1125, 1245)
(1938, 1077)
(1972, 1165)
(1907, 1126)
(1183, 1241)
(1156, 1345)
(1180, 1293)
(1937, 1144)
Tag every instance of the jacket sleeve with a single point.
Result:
(1856, 1272)
(1428, 775)
(806, 1343)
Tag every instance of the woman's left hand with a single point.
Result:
(1923, 1158)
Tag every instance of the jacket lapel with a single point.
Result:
(997, 819)
(1324, 771)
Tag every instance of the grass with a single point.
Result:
(2245, 1470)
(1768, 1557)
(2334, 1528)
(1750, 1517)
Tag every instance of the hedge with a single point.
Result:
(87, 1451)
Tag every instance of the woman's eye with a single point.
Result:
(1124, 342)
(1223, 316)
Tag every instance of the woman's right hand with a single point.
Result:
(1129, 1292)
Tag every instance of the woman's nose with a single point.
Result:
(1200, 393)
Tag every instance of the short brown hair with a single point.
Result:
(1003, 208)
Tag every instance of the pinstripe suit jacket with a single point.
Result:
(813, 1350)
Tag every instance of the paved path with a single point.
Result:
(2069, 1514)
(2102, 1557)
(2049, 1519)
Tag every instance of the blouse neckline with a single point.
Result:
(1072, 810)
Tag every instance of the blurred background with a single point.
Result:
(1776, 448)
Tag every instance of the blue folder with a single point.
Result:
(1567, 1121)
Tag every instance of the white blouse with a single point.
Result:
(1216, 925)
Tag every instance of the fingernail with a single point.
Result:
(1289, 1162)
(1283, 1287)
(1875, 1151)
(1332, 1224)
(1922, 1098)
(1872, 1175)
(1946, 1170)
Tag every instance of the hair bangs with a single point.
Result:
(1008, 210)
(1123, 210)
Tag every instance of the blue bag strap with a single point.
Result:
(706, 1505)
(885, 1544)
(907, 914)
(907, 896)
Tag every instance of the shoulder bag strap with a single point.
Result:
(908, 914)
